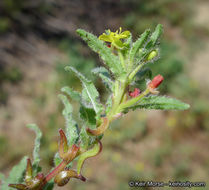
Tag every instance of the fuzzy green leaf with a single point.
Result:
(15, 175)
(155, 36)
(85, 139)
(36, 157)
(70, 124)
(70, 92)
(139, 43)
(88, 116)
(105, 53)
(160, 102)
(104, 75)
(89, 93)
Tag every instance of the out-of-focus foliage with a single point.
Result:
(20, 14)
(147, 12)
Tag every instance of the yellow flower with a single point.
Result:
(114, 38)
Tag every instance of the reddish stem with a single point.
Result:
(54, 172)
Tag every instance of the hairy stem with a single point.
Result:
(117, 98)
(121, 59)
(55, 171)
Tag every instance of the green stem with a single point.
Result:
(117, 98)
(121, 59)
(131, 76)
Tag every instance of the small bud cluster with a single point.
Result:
(134, 93)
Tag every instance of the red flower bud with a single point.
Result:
(156, 81)
(135, 93)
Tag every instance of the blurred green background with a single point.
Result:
(38, 38)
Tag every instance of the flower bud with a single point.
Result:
(152, 55)
(134, 93)
(156, 81)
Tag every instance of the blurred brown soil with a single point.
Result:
(36, 63)
(200, 65)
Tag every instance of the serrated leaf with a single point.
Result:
(16, 175)
(90, 93)
(160, 102)
(70, 124)
(36, 157)
(104, 75)
(105, 53)
(155, 36)
(139, 43)
(70, 92)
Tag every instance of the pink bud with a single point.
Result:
(156, 81)
(135, 93)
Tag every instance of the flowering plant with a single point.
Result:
(124, 60)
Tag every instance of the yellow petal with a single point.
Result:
(105, 38)
(125, 34)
